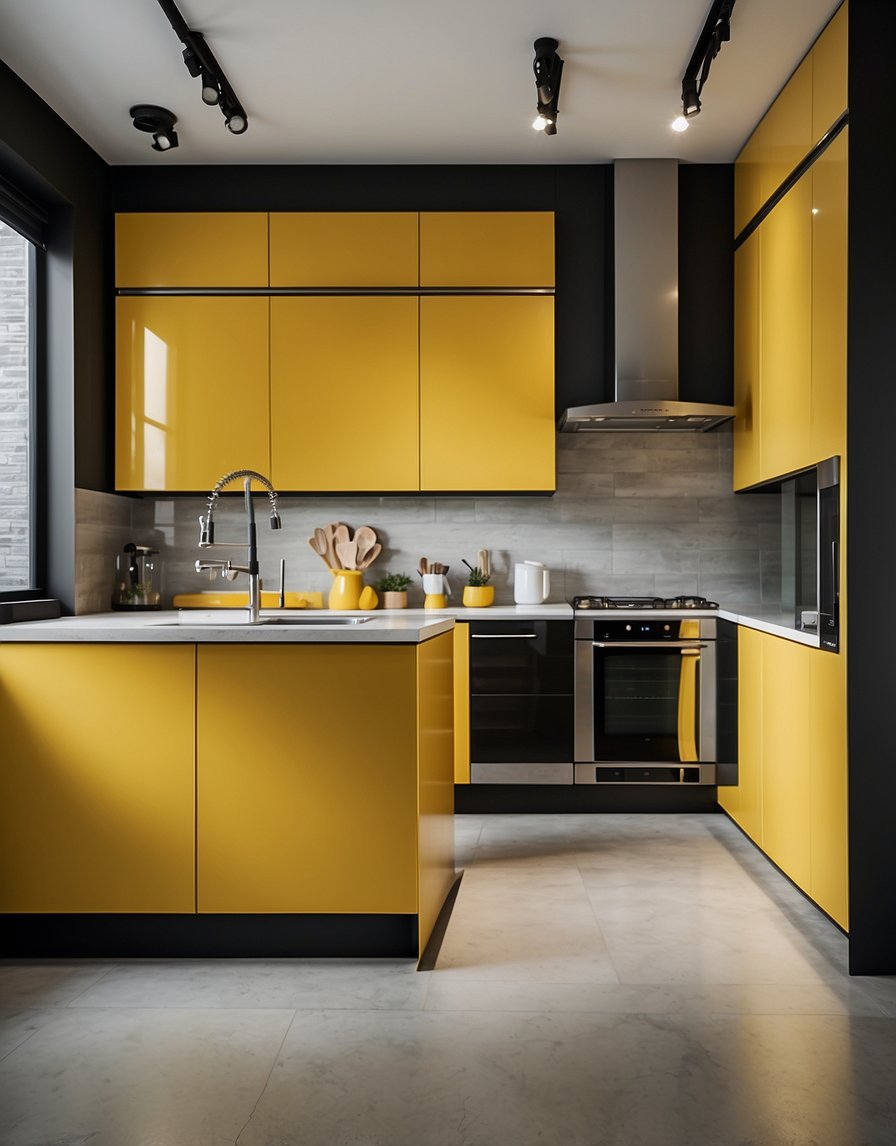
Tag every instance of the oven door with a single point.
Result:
(645, 711)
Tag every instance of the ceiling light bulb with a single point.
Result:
(540, 122)
(210, 90)
(680, 124)
(237, 123)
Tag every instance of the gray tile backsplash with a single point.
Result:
(634, 513)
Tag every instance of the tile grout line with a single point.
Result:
(267, 1080)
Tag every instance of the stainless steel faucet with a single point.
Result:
(228, 569)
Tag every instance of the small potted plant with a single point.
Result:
(393, 590)
(477, 591)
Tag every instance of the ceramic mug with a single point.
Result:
(437, 590)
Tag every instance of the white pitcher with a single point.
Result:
(531, 583)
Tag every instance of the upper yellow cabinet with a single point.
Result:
(829, 72)
(192, 249)
(486, 249)
(346, 248)
(786, 133)
(487, 393)
(748, 182)
(192, 390)
(344, 405)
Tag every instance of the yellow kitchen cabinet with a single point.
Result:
(96, 778)
(786, 760)
(335, 795)
(747, 364)
(191, 249)
(487, 249)
(829, 858)
(830, 188)
(786, 134)
(344, 248)
(743, 801)
(192, 390)
(487, 393)
(785, 324)
(344, 393)
(829, 74)
(461, 703)
(748, 181)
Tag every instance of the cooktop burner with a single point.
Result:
(683, 602)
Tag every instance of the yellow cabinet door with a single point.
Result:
(785, 295)
(747, 379)
(487, 393)
(829, 74)
(344, 393)
(743, 802)
(344, 248)
(748, 181)
(786, 763)
(191, 249)
(829, 796)
(786, 132)
(307, 801)
(191, 391)
(487, 248)
(96, 778)
(830, 186)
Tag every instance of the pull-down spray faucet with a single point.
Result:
(207, 535)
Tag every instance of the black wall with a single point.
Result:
(871, 530)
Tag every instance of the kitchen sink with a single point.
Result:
(230, 618)
(314, 622)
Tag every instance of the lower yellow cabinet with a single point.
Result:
(791, 796)
(332, 791)
(487, 393)
(96, 778)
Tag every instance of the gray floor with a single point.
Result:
(620, 980)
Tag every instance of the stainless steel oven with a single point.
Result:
(645, 698)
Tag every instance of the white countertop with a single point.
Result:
(385, 626)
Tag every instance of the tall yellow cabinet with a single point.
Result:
(790, 394)
(339, 352)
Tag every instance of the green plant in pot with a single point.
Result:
(393, 590)
(478, 592)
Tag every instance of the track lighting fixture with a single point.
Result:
(716, 31)
(200, 62)
(157, 120)
(548, 69)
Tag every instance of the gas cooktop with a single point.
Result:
(683, 602)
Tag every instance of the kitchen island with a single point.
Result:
(234, 790)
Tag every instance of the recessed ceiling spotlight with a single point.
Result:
(159, 121)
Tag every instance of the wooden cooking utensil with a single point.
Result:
(319, 547)
(366, 539)
(347, 552)
(330, 531)
(371, 556)
(423, 567)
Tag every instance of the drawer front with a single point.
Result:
(521, 658)
(533, 729)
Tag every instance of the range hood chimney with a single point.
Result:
(646, 300)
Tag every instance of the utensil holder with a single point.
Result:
(345, 592)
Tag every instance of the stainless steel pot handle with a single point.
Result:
(648, 645)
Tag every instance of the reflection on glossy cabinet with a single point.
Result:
(487, 249)
(786, 763)
(344, 405)
(191, 249)
(96, 778)
(487, 393)
(747, 372)
(309, 804)
(829, 73)
(192, 385)
(785, 310)
(830, 189)
(344, 248)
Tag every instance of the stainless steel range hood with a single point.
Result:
(646, 300)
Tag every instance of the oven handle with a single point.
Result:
(648, 645)
(502, 636)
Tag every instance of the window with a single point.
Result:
(17, 492)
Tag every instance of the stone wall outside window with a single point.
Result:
(15, 429)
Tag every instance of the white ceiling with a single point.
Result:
(407, 81)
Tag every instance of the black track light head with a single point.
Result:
(548, 68)
(159, 122)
